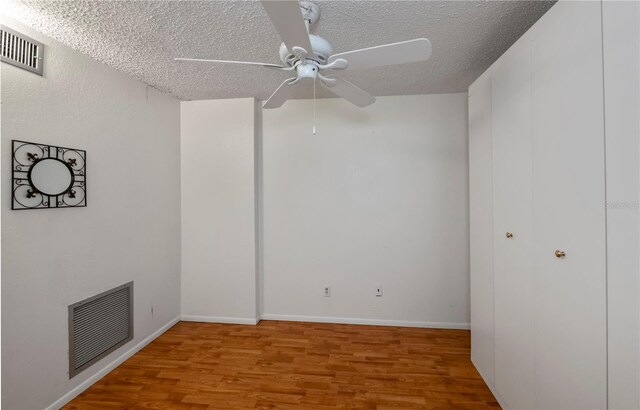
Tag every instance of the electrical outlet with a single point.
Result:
(326, 291)
(379, 291)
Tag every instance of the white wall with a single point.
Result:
(129, 230)
(621, 40)
(218, 210)
(378, 197)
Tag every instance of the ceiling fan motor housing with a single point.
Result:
(307, 70)
(320, 53)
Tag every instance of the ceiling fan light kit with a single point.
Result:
(312, 58)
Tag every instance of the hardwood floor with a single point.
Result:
(292, 365)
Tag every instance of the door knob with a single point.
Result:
(509, 235)
(560, 254)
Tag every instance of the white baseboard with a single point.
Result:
(374, 322)
(115, 363)
(221, 319)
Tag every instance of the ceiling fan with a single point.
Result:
(311, 56)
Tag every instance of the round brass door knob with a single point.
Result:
(560, 254)
(509, 235)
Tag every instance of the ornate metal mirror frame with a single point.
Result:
(47, 176)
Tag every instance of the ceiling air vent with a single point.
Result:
(99, 325)
(21, 51)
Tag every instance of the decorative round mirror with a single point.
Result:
(47, 176)
(51, 176)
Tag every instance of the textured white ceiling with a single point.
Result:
(141, 38)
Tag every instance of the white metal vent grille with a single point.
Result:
(98, 325)
(21, 51)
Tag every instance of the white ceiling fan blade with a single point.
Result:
(286, 17)
(282, 94)
(394, 53)
(343, 88)
(202, 60)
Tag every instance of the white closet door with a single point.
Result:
(513, 264)
(481, 228)
(569, 210)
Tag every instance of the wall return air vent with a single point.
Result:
(99, 325)
(21, 51)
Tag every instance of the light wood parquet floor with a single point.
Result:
(293, 365)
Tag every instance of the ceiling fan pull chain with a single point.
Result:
(314, 106)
